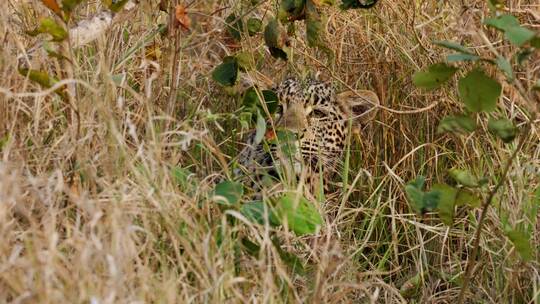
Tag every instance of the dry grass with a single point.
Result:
(91, 212)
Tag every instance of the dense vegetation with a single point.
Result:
(117, 155)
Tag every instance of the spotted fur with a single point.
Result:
(319, 117)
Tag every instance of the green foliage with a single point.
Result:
(503, 129)
(513, 31)
(228, 193)
(421, 201)
(226, 73)
(275, 38)
(51, 27)
(70, 5)
(252, 102)
(291, 10)
(464, 177)
(235, 26)
(446, 202)
(457, 123)
(520, 240)
(299, 214)
(453, 46)
(479, 92)
(254, 26)
(260, 213)
(434, 77)
(506, 67)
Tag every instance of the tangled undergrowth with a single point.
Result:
(106, 195)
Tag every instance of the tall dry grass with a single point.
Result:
(91, 210)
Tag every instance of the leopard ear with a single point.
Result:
(360, 105)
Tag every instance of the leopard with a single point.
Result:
(320, 120)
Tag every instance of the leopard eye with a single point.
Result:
(317, 113)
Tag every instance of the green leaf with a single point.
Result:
(421, 201)
(227, 72)
(479, 92)
(513, 31)
(447, 200)
(354, 4)
(503, 129)
(453, 46)
(457, 124)
(49, 26)
(301, 216)
(436, 75)
(463, 177)
(520, 240)
(69, 5)
(461, 57)
(502, 22)
(234, 26)
(523, 55)
(251, 101)
(260, 213)
(261, 128)
(245, 61)
(467, 198)
(275, 38)
(506, 67)
(291, 10)
(228, 193)
(314, 28)
(254, 26)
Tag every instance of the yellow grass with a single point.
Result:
(91, 212)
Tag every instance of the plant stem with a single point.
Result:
(485, 205)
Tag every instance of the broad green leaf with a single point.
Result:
(260, 129)
(467, 198)
(228, 193)
(506, 67)
(479, 92)
(353, 4)
(227, 72)
(519, 35)
(513, 31)
(461, 57)
(49, 26)
(252, 102)
(453, 46)
(520, 240)
(421, 201)
(435, 76)
(503, 129)
(463, 177)
(260, 213)
(275, 38)
(69, 5)
(245, 61)
(502, 22)
(234, 26)
(457, 124)
(254, 26)
(301, 216)
(291, 10)
(314, 28)
(447, 200)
